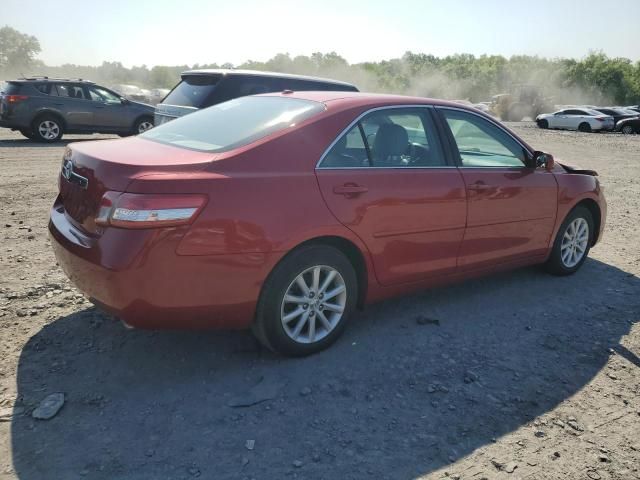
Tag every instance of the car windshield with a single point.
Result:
(193, 90)
(234, 124)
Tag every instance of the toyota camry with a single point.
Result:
(284, 212)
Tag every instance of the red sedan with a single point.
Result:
(284, 212)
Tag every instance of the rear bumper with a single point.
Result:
(137, 276)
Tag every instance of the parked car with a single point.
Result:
(203, 88)
(44, 109)
(635, 108)
(628, 126)
(582, 119)
(158, 94)
(617, 113)
(277, 212)
(133, 92)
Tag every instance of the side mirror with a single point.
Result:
(544, 160)
(124, 101)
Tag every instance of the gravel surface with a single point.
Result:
(519, 375)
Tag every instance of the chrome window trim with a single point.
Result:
(360, 117)
(493, 122)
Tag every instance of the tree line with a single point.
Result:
(596, 78)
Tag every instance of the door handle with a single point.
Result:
(477, 186)
(350, 189)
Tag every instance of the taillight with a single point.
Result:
(133, 210)
(15, 98)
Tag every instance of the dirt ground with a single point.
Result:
(524, 376)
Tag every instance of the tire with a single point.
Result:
(628, 130)
(584, 127)
(27, 133)
(47, 128)
(141, 125)
(278, 334)
(543, 124)
(559, 263)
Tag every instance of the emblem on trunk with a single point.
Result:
(68, 173)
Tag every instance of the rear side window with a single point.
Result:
(234, 123)
(193, 91)
(389, 138)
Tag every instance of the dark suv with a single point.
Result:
(43, 109)
(203, 88)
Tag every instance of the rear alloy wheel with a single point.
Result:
(47, 128)
(628, 130)
(584, 127)
(572, 243)
(306, 301)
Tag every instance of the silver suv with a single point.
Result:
(43, 109)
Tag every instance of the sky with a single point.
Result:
(185, 32)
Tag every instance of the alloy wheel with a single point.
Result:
(313, 304)
(144, 126)
(574, 242)
(627, 129)
(49, 130)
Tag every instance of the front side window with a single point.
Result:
(98, 94)
(481, 143)
(388, 138)
(234, 123)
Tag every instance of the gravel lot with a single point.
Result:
(523, 375)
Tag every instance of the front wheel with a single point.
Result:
(306, 301)
(142, 125)
(628, 130)
(543, 124)
(572, 243)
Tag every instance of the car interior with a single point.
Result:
(393, 140)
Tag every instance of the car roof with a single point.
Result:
(259, 73)
(335, 99)
(50, 79)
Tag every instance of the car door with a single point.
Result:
(558, 120)
(511, 206)
(574, 118)
(387, 179)
(73, 104)
(109, 111)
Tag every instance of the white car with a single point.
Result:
(582, 119)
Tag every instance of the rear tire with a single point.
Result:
(572, 244)
(295, 315)
(47, 128)
(543, 124)
(584, 127)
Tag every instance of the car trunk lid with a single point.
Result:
(91, 169)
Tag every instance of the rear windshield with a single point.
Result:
(193, 91)
(235, 123)
(11, 88)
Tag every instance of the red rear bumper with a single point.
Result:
(137, 276)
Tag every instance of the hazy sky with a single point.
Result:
(165, 32)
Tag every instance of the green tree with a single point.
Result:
(17, 50)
